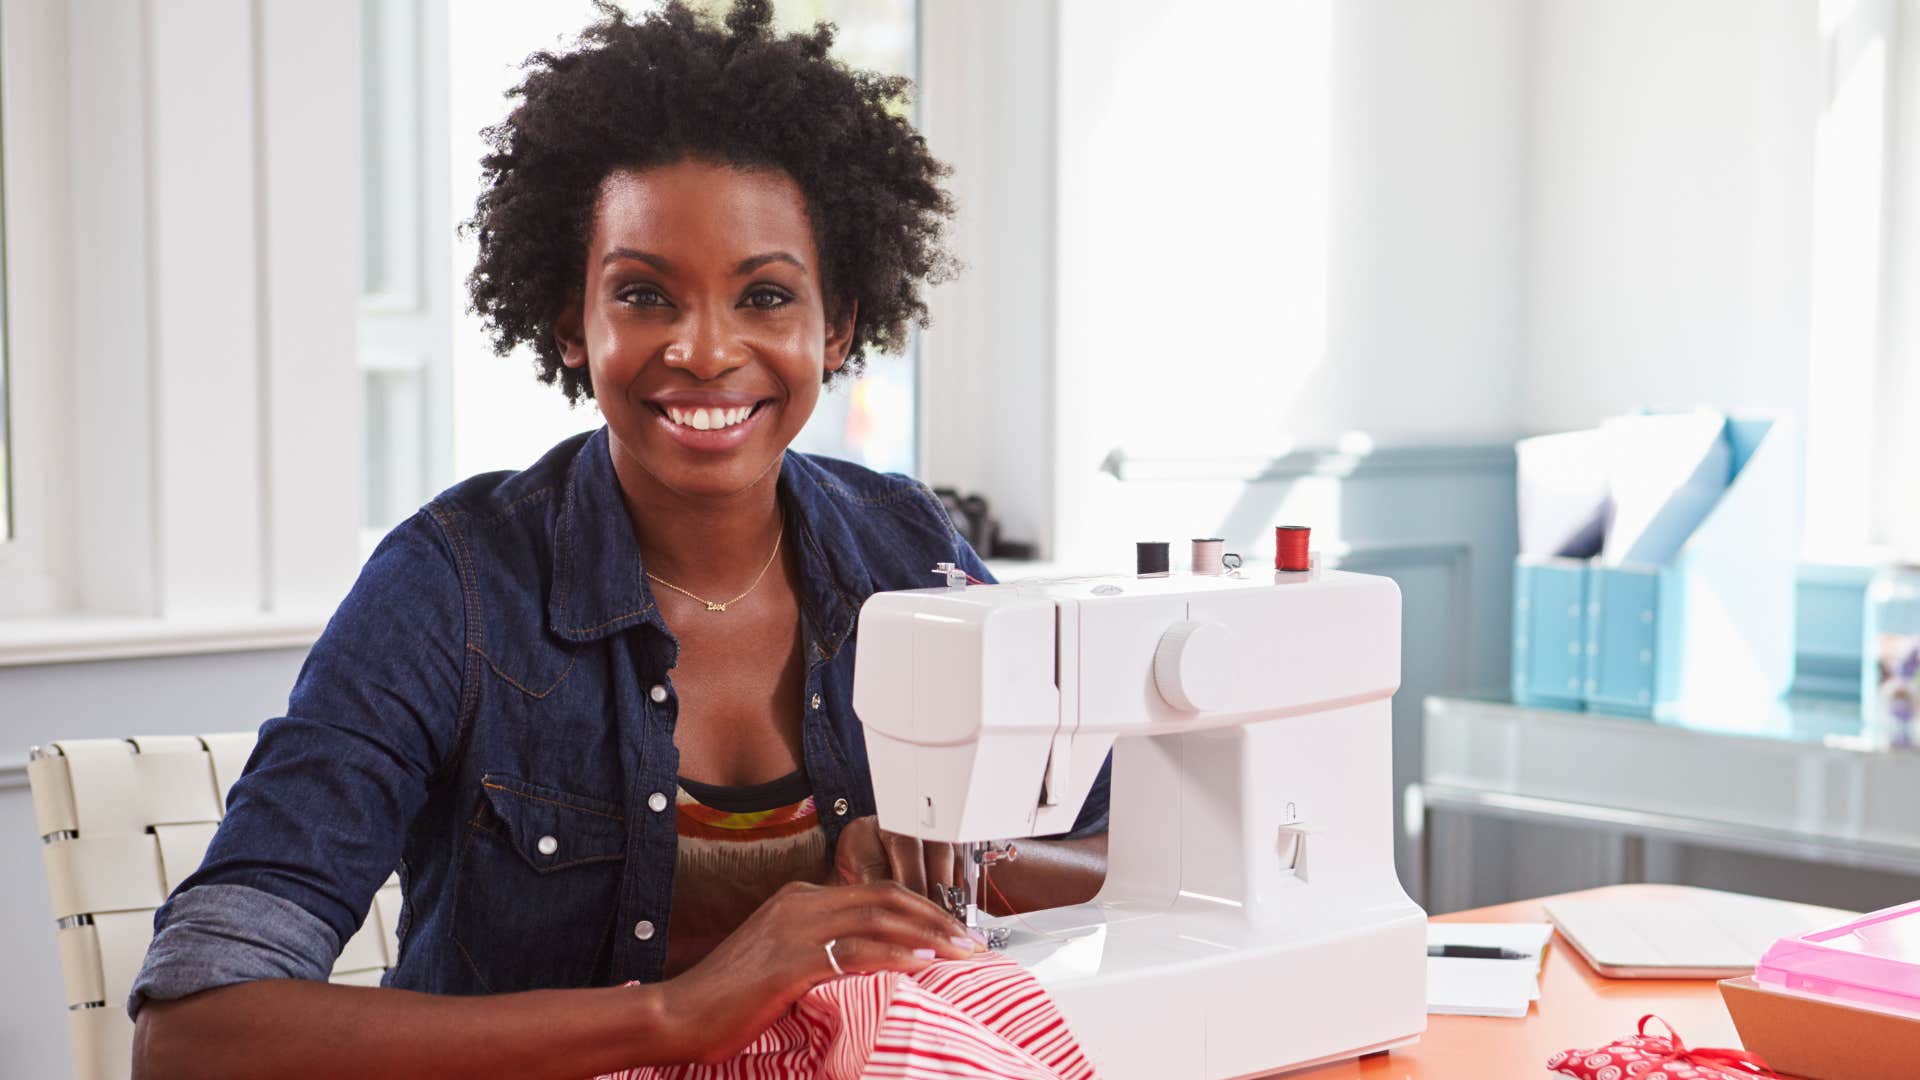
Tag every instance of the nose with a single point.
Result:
(707, 348)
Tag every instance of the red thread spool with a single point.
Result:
(1290, 547)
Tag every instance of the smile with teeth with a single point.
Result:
(705, 419)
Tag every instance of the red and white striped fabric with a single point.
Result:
(986, 1019)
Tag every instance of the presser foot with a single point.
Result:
(959, 905)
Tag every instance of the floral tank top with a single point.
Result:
(737, 846)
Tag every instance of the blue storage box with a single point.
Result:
(1549, 632)
(1712, 623)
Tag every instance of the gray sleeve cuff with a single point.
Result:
(218, 935)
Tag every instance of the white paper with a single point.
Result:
(1565, 497)
(1667, 472)
(1457, 986)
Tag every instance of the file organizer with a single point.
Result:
(1713, 623)
(1549, 632)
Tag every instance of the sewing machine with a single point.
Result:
(1251, 921)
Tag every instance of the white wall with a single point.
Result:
(1667, 216)
(1278, 224)
(987, 108)
(1720, 210)
(1424, 238)
(1281, 223)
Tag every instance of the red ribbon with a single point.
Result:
(1738, 1061)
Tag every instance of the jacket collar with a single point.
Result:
(600, 587)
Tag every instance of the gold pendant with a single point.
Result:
(713, 606)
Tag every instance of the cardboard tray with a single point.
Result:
(1821, 1040)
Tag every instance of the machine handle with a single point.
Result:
(1194, 668)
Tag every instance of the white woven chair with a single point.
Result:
(122, 821)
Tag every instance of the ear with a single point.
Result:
(569, 334)
(840, 336)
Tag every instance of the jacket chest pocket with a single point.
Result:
(538, 883)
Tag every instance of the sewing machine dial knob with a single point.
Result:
(1194, 668)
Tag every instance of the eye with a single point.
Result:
(642, 296)
(766, 298)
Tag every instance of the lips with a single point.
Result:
(709, 422)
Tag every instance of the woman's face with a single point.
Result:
(703, 323)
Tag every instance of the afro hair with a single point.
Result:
(673, 85)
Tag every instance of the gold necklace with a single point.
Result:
(721, 605)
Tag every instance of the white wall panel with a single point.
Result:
(309, 145)
(205, 276)
(112, 308)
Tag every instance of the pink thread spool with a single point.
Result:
(1210, 559)
(1290, 548)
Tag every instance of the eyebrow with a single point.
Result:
(747, 265)
(649, 258)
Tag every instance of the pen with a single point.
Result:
(1477, 952)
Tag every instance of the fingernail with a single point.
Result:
(979, 935)
(965, 943)
(923, 954)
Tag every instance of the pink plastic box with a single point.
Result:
(1872, 961)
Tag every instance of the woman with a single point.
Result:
(598, 711)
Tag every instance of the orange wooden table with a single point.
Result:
(1577, 1008)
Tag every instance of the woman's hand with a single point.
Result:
(866, 853)
(721, 1003)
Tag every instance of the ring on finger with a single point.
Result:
(831, 959)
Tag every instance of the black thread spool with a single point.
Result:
(1150, 558)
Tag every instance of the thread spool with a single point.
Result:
(1209, 558)
(1150, 558)
(1290, 548)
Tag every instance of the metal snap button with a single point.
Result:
(547, 845)
(656, 802)
(643, 930)
(816, 702)
(658, 694)
(840, 807)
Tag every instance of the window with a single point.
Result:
(439, 405)
(1865, 315)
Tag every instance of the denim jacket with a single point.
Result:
(491, 710)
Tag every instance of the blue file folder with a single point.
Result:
(1713, 623)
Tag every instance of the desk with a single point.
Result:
(1577, 1008)
(1794, 779)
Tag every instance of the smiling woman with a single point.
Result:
(703, 323)
(599, 710)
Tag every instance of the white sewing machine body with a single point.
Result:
(1251, 919)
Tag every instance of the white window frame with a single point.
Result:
(405, 322)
